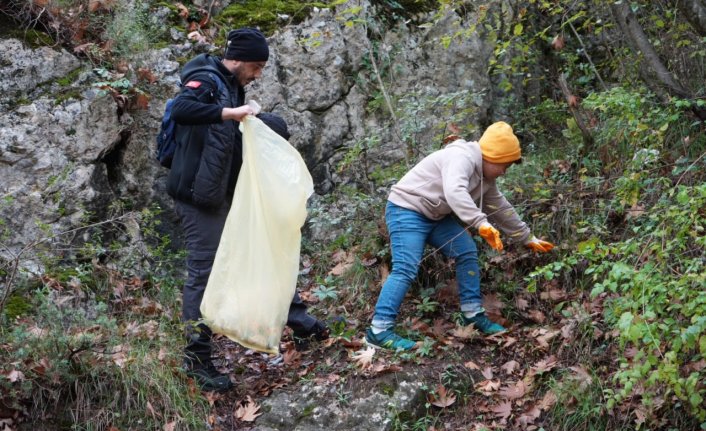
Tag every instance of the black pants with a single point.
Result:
(202, 233)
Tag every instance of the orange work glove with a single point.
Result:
(538, 245)
(491, 236)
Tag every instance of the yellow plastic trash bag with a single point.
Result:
(254, 274)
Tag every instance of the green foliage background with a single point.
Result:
(615, 178)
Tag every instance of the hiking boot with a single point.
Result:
(388, 340)
(318, 332)
(483, 324)
(208, 377)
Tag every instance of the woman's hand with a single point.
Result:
(491, 236)
(538, 245)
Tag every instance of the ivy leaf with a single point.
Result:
(625, 321)
(518, 29)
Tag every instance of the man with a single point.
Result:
(455, 183)
(202, 180)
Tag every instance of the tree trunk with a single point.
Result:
(640, 44)
(695, 13)
(578, 114)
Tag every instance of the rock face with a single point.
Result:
(311, 407)
(67, 153)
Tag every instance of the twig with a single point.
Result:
(588, 57)
(15, 259)
(687, 169)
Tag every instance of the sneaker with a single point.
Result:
(388, 340)
(318, 332)
(483, 324)
(208, 377)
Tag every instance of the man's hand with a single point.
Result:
(238, 113)
(538, 245)
(491, 236)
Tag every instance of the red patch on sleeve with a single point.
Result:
(193, 84)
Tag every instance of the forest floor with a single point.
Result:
(506, 381)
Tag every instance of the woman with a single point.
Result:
(425, 206)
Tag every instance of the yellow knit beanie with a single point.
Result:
(499, 145)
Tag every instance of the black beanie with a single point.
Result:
(247, 44)
(276, 123)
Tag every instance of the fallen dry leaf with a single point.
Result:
(384, 272)
(555, 295)
(212, 397)
(488, 386)
(514, 392)
(341, 268)
(509, 341)
(465, 332)
(197, 36)
(567, 331)
(558, 43)
(291, 356)
(141, 101)
(635, 211)
(510, 366)
(544, 340)
(442, 398)
(471, 365)
(537, 316)
(439, 328)
(582, 376)
(544, 365)
(487, 372)
(492, 304)
(640, 415)
(14, 375)
(364, 358)
(98, 5)
(502, 411)
(548, 401)
(448, 293)
(150, 410)
(695, 366)
(162, 354)
(247, 411)
(183, 10)
(527, 418)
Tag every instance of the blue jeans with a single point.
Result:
(409, 232)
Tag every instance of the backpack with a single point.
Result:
(166, 138)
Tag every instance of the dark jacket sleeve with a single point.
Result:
(195, 106)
